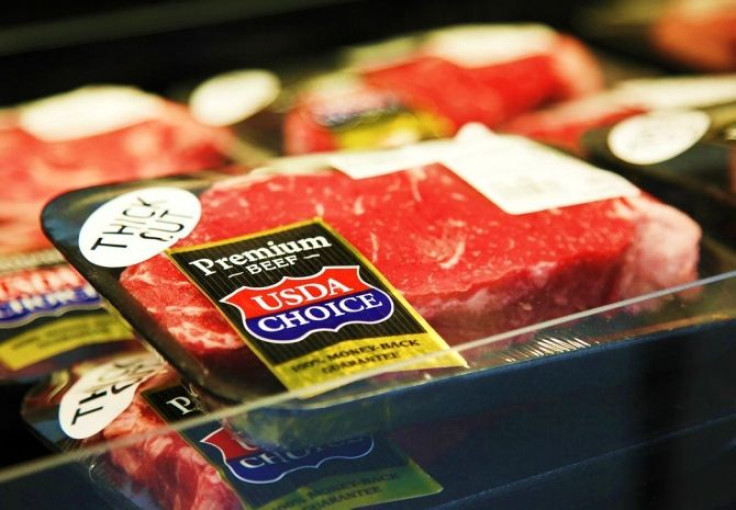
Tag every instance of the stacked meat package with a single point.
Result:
(49, 315)
(316, 302)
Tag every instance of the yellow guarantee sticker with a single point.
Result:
(60, 336)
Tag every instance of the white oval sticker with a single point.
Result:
(657, 136)
(138, 225)
(233, 97)
(103, 393)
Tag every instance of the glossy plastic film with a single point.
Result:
(610, 415)
(408, 394)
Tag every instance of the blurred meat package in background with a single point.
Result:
(696, 35)
(92, 135)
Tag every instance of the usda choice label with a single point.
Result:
(309, 305)
(341, 475)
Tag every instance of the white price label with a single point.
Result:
(363, 165)
(518, 175)
(679, 92)
(522, 177)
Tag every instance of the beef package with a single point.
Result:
(89, 136)
(429, 85)
(323, 268)
(204, 466)
(50, 317)
(563, 125)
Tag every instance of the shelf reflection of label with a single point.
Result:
(341, 475)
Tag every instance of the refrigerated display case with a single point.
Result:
(603, 409)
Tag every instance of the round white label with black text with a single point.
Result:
(138, 225)
(233, 97)
(657, 136)
(103, 393)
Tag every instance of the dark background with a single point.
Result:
(52, 47)
(49, 47)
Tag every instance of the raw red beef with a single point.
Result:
(174, 473)
(37, 170)
(564, 125)
(468, 267)
(486, 74)
(491, 93)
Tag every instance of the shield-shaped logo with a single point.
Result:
(295, 307)
(252, 464)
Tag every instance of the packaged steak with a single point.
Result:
(50, 317)
(92, 135)
(429, 85)
(563, 125)
(313, 272)
(138, 407)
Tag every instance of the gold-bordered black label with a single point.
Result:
(309, 304)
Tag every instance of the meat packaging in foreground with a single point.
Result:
(463, 238)
(440, 81)
(205, 466)
(93, 135)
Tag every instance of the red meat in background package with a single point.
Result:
(563, 125)
(450, 77)
(490, 74)
(92, 136)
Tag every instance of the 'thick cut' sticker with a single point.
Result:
(138, 225)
